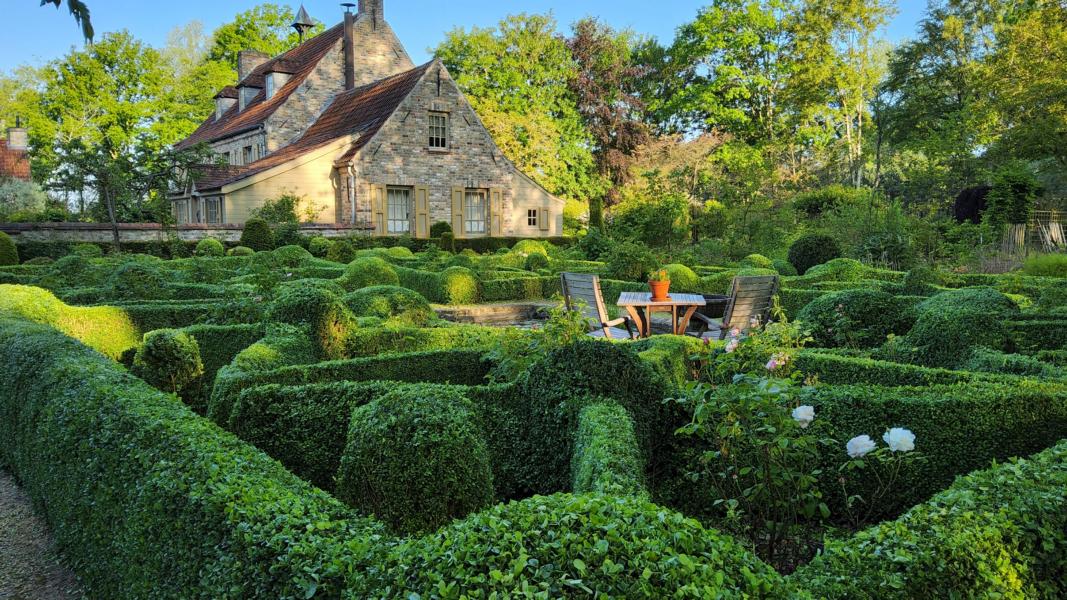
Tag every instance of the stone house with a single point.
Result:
(365, 138)
(14, 153)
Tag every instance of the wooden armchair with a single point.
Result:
(583, 290)
(751, 299)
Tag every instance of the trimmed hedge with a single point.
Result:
(147, 500)
(9, 253)
(257, 235)
(1034, 335)
(318, 309)
(370, 341)
(168, 359)
(219, 344)
(454, 285)
(367, 271)
(416, 459)
(835, 368)
(167, 315)
(998, 533)
(395, 304)
(854, 318)
(607, 458)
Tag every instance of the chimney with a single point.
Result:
(248, 60)
(17, 137)
(374, 9)
(350, 47)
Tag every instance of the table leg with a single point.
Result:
(683, 324)
(638, 321)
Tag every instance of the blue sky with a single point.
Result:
(35, 34)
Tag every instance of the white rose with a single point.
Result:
(899, 439)
(859, 446)
(804, 415)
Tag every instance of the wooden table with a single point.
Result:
(680, 306)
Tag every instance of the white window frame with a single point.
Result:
(475, 211)
(531, 217)
(438, 131)
(216, 203)
(399, 200)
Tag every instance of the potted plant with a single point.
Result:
(660, 283)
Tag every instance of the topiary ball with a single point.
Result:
(838, 269)
(416, 458)
(241, 251)
(318, 246)
(459, 286)
(292, 257)
(341, 251)
(528, 247)
(756, 261)
(9, 253)
(811, 250)
(784, 268)
(683, 279)
(318, 309)
(536, 261)
(257, 235)
(629, 261)
(854, 318)
(400, 252)
(440, 228)
(87, 250)
(209, 247)
(368, 271)
(398, 305)
(168, 359)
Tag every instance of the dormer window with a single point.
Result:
(274, 82)
(247, 94)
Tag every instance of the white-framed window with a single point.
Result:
(531, 217)
(213, 210)
(438, 130)
(398, 200)
(475, 210)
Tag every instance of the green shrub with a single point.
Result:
(416, 459)
(607, 458)
(209, 247)
(368, 271)
(998, 533)
(321, 310)
(756, 261)
(168, 359)
(1013, 195)
(458, 286)
(9, 253)
(1039, 333)
(440, 228)
(595, 245)
(87, 250)
(629, 261)
(528, 247)
(395, 304)
(990, 361)
(341, 251)
(922, 280)
(39, 261)
(811, 250)
(588, 545)
(1046, 265)
(240, 251)
(854, 318)
(536, 261)
(137, 281)
(318, 246)
(288, 234)
(448, 241)
(257, 235)
(837, 269)
(784, 268)
(816, 202)
(291, 257)
(1053, 296)
(683, 279)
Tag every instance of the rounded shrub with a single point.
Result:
(368, 271)
(169, 360)
(39, 261)
(629, 261)
(393, 303)
(448, 241)
(257, 235)
(318, 246)
(784, 268)
(241, 251)
(399, 252)
(619, 546)
(288, 234)
(87, 250)
(536, 261)
(416, 458)
(460, 286)
(528, 247)
(209, 247)
(811, 250)
(291, 256)
(318, 309)
(137, 281)
(683, 279)
(341, 251)
(440, 228)
(756, 261)
(854, 318)
(9, 253)
(460, 260)
(838, 269)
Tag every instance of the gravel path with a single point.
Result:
(29, 565)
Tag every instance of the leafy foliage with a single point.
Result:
(257, 235)
(169, 360)
(9, 254)
(812, 250)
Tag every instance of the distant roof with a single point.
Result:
(13, 163)
(361, 111)
(299, 61)
(210, 176)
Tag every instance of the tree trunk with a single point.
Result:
(110, 201)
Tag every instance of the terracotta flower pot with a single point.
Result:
(659, 290)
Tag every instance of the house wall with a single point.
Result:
(314, 181)
(399, 155)
(228, 146)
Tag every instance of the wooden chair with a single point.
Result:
(751, 298)
(585, 288)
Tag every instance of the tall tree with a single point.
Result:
(265, 28)
(605, 88)
(518, 77)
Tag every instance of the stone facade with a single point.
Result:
(100, 233)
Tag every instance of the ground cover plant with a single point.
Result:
(408, 446)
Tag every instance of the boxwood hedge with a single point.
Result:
(607, 458)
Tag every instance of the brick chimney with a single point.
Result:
(374, 9)
(248, 60)
(350, 48)
(17, 137)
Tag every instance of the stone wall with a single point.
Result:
(151, 232)
(228, 146)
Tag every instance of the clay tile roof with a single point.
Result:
(300, 60)
(227, 92)
(14, 164)
(361, 111)
(208, 177)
